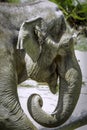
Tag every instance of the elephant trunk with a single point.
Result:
(70, 80)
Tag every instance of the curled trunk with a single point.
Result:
(70, 80)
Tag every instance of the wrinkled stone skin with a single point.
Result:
(26, 52)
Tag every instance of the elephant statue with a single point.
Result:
(34, 44)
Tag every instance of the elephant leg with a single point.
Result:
(12, 116)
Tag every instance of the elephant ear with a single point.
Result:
(27, 39)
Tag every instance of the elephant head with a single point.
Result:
(54, 59)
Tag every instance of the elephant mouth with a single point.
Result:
(53, 87)
(53, 82)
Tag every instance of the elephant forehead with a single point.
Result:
(48, 11)
(51, 14)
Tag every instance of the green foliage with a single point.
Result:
(13, 1)
(74, 11)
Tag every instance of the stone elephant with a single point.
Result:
(33, 44)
